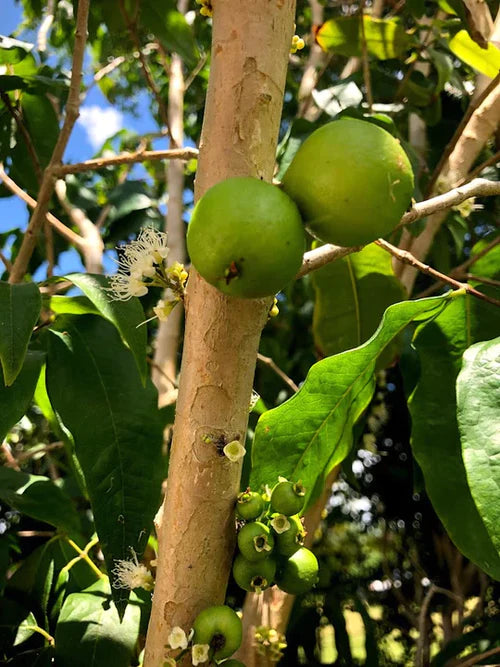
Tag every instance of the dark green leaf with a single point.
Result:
(19, 310)
(90, 632)
(385, 38)
(39, 498)
(435, 436)
(172, 29)
(127, 197)
(312, 432)
(125, 315)
(487, 266)
(15, 399)
(95, 388)
(478, 414)
(444, 67)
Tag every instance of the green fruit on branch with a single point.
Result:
(255, 541)
(220, 628)
(299, 573)
(253, 576)
(249, 505)
(288, 541)
(246, 238)
(352, 182)
(288, 498)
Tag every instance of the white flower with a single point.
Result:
(132, 574)
(165, 306)
(124, 287)
(177, 638)
(199, 653)
(150, 242)
(280, 523)
(234, 451)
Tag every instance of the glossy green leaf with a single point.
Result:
(125, 315)
(172, 29)
(352, 294)
(94, 386)
(15, 400)
(72, 305)
(90, 633)
(38, 497)
(19, 310)
(478, 415)
(444, 67)
(486, 61)
(487, 266)
(435, 437)
(26, 629)
(311, 432)
(385, 38)
(12, 51)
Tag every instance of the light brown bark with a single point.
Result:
(250, 46)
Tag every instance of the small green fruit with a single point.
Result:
(352, 182)
(299, 573)
(249, 505)
(253, 577)
(288, 498)
(255, 541)
(246, 238)
(220, 628)
(291, 540)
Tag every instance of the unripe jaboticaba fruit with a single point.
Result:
(220, 628)
(255, 541)
(254, 577)
(288, 498)
(291, 540)
(352, 182)
(249, 505)
(246, 238)
(299, 573)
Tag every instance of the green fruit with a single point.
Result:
(253, 577)
(288, 498)
(255, 541)
(299, 573)
(290, 541)
(220, 628)
(352, 182)
(246, 238)
(249, 505)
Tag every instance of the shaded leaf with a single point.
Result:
(94, 386)
(19, 310)
(172, 29)
(15, 399)
(311, 432)
(385, 38)
(478, 414)
(25, 629)
(126, 198)
(486, 61)
(435, 437)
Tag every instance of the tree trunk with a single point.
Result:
(250, 46)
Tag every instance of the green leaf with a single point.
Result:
(352, 294)
(444, 67)
(90, 633)
(94, 386)
(26, 629)
(126, 198)
(478, 412)
(40, 498)
(125, 315)
(435, 437)
(72, 305)
(385, 38)
(311, 432)
(19, 310)
(15, 399)
(172, 29)
(487, 266)
(12, 51)
(486, 61)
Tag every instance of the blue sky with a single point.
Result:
(98, 120)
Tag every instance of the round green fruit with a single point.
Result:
(249, 505)
(291, 540)
(299, 573)
(255, 541)
(246, 238)
(352, 182)
(288, 498)
(253, 576)
(220, 628)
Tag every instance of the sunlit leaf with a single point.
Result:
(385, 38)
(486, 61)
(15, 400)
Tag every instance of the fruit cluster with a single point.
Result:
(271, 541)
(349, 183)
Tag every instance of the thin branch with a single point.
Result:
(273, 366)
(35, 451)
(194, 73)
(47, 186)
(10, 459)
(17, 116)
(64, 231)
(315, 259)
(482, 279)
(364, 57)
(7, 263)
(475, 172)
(407, 258)
(45, 26)
(127, 158)
(107, 69)
(479, 657)
(419, 658)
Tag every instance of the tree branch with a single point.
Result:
(47, 186)
(267, 361)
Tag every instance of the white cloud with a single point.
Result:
(99, 123)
